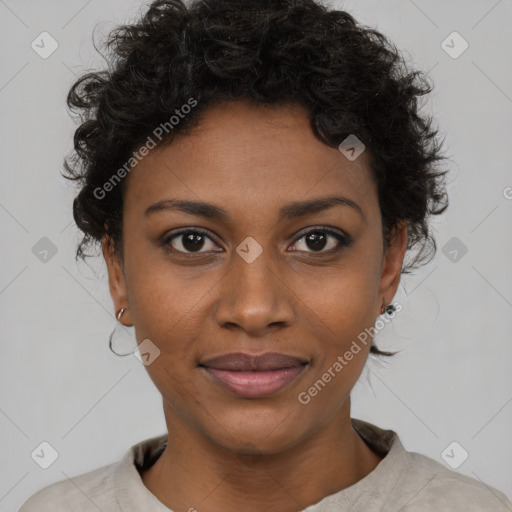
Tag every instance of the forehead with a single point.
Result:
(250, 158)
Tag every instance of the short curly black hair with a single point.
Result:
(349, 77)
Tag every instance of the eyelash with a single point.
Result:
(343, 241)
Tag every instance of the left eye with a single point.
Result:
(318, 239)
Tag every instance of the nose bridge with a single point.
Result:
(253, 296)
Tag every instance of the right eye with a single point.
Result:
(188, 241)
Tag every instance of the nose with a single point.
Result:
(254, 297)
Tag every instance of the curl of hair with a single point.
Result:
(350, 79)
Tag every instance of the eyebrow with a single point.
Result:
(290, 211)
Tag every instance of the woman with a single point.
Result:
(255, 173)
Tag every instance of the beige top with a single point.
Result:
(402, 482)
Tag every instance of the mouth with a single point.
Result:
(254, 376)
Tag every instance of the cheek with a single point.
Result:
(342, 298)
(165, 299)
(340, 311)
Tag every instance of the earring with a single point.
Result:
(114, 334)
(390, 308)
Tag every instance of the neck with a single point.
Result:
(194, 472)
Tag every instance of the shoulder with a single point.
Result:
(428, 485)
(411, 482)
(114, 487)
(83, 493)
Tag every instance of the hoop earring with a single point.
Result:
(114, 334)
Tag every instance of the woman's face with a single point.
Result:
(262, 277)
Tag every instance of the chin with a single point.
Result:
(257, 431)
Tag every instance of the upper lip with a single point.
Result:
(241, 361)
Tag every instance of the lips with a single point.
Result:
(240, 361)
(254, 376)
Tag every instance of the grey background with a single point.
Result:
(60, 383)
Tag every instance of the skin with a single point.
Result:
(223, 450)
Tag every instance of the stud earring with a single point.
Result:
(387, 309)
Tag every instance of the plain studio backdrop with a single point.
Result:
(448, 394)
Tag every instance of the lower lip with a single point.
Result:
(255, 384)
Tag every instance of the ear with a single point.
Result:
(392, 264)
(116, 279)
